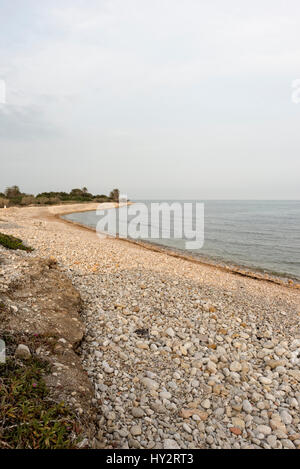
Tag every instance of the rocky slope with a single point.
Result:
(40, 317)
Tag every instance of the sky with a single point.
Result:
(166, 99)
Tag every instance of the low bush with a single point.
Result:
(27, 200)
(14, 197)
(10, 242)
(3, 202)
(29, 419)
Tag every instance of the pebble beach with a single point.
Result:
(180, 354)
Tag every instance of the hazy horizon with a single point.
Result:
(163, 99)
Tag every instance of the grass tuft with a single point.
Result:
(10, 242)
(29, 419)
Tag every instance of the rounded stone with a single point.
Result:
(206, 403)
(247, 407)
(23, 352)
(286, 417)
(136, 430)
(235, 366)
(137, 412)
(264, 429)
(171, 444)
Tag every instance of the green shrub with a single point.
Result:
(41, 200)
(3, 202)
(15, 200)
(10, 242)
(28, 418)
(27, 200)
(53, 201)
(13, 196)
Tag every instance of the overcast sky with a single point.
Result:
(161, 98)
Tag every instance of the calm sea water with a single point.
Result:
(260, 235)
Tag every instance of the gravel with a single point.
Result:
(181, 355)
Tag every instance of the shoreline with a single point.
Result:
(54, 213)
(285, 280)
(180, 354)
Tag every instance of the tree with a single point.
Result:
(114, 195)
(76, 192)
(12, 192)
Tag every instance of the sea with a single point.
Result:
(258, 235)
